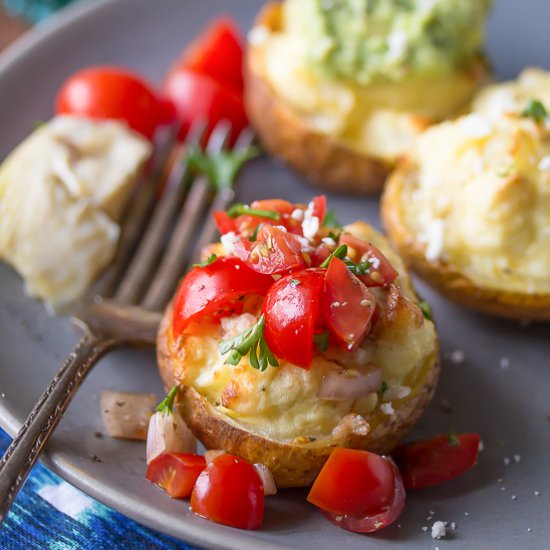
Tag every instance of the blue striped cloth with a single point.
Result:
(52, 514)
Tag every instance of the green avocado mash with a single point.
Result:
(367, 40)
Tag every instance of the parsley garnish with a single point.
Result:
(321, 341)
(250, 342)
(453, 440)
(536, 110)
(340, 252)
(334, 236)
(221, 168)
(426, 309)
(241, 209)
(254, 237)
(166, 406)
(330, 219)
(362, 268)
(208, 261)
(295, 282)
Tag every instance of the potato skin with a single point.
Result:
(292, 464)
(443, 276)
(321, 159)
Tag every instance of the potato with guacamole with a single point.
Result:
(339, 89)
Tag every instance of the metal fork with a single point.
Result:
(156, 245)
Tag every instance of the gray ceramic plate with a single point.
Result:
(510, 406)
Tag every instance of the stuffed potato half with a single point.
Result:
(468, 209)
(340, 134)
(284, 416)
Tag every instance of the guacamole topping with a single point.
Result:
(367, 40)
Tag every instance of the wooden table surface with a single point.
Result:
(10, 28)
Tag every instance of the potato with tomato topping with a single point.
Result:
(293, 338)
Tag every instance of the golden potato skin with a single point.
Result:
(444, 277)
(322, 160)
(292, 464)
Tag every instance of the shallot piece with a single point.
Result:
(126, 415)
(342, 385)
(168, 433)
(211, 454)
(267, 479)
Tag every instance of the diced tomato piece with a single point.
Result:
(275, 251)
(381, 272)
(280, 206)
(224, 222)
(348, 305)
(436, 460)
(320, 207)
(292, 312)
(176, 473)
(358, 490)
(230, 491)
(216, 290)
(200, 98)
(218, 53)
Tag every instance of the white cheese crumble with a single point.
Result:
(476, 126)
(433, 238)
(397, 391)
(258, 35)
(457, 357)
(311, 223)
(517, 458)
(439, 529)
(229, 240)
(387, 408)
(297, 214)
(331, 243)
(504, 362)
(544, 164)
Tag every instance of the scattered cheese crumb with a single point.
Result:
(481, 446)
(453, 525)
(514, 497)
(504, 362)
(387, 408)
(517, 458)
(228, 241)
(536, 493)
(311, 223)
(297, 214)
(466, 514)
(331, 243)
(506, 461)
(457, 356)
(439, 529)
(528, 529)
(425, 528)
(476, 126)
(396, 391)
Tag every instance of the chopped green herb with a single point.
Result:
(362, 268)
(241, 209)
(536, 110)
(453, 440)
(208, 261)
(426, 309)
(321, 341)
(334, 236)
(340, 253)
(384, 387)
(250, 342)
(295, 282)
(221, 168)
(166, 406)
(254, 237)
(330, 219)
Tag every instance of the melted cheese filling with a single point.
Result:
(282, 403)
(381, 120)
(480, 194)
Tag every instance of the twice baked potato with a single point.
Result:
(468, 209)
(290, 417)
(343, 133)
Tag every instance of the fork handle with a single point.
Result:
(27, 445)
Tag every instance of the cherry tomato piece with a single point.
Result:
(218, 53)
(320, 207)
(198, 97)
(381, 272)
(230, 491)
(292, 312)
(224, 222)
(215, 290)
(176, 473)
(436, 460)
(377, 520)
(112, 93)
(348, 305)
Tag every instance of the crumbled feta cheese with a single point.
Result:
(517, 458)
(229, 240)
(396, 391)
(439, 529)
(374, 262)
(297, 214)
(504, 362)
(536, 493)
(481, 446)
(476, 126)
(506, 461)
(331, 243)
(466, 514)
(387, 408)
(453, 525)
(433, 237)
(514, 497)
(258, 35)
(544, 164)
(457, 357)
(311, 223)
(425, 528)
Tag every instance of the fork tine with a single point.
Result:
(173, 261)
(133, 223)
(147, 253)
(222, 200)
